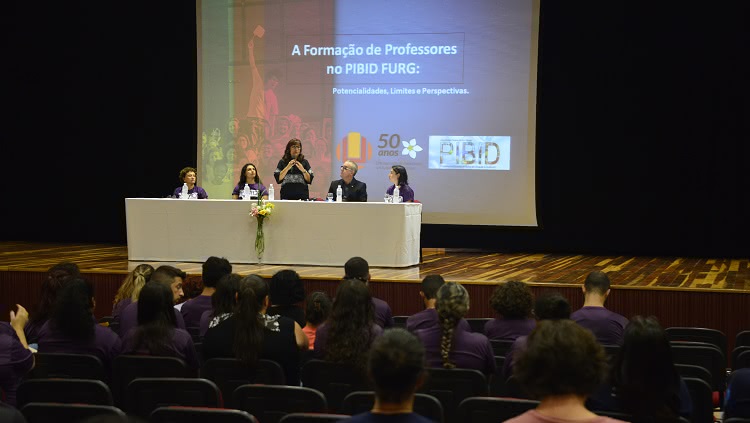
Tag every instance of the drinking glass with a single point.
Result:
(329, 197)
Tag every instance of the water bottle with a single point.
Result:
(246, 192)
(270, 192)
(396, 193)
(184, 194)
(339, 195)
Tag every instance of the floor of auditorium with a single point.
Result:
(468, 267)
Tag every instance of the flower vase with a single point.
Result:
(260, 244)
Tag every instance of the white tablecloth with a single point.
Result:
(297, 233)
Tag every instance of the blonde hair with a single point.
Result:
(132, 285)
(452, 305)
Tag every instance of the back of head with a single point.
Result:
(58, 276)
(561, 358)
(72, 313)
(223, 299)
(512, 300)
(213, 270)
(396, 364)
(166, 275)
(737, 401)
(155, 305)
(431, 284)
(357, 268)
(64, 271)
(248, 335)
(286, 288)
(551, 306)
(597, 282)
(452, 305)
(317, 308)
(350, 324)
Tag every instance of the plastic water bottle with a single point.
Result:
(339, 195)
(184, 193)
(270, 192)
(396, 193)
(246, 192)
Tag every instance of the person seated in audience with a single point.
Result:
(643, 381)
(450, 345)
(287, 292)
(737, 398)
(358, 268)
(548, 306)
(189, 176)
(429, 317)
(249, 334)
(513, 302)
(156, 333)
(397, 369)
(222, 301)
(72, 328)
(169, 276)
(317, 310)
(131, 288)
(58, 276)
(348, 333)
(607, 326)
(562, 364)
(214, 268)
(16, 358)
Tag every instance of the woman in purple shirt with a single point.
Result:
(513, 303)
(249, 176)
(58, 276)
(131, 288)
(398, 176)
(189, 176)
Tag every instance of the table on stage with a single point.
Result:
(296, 233)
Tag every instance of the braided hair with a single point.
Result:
(452, 305)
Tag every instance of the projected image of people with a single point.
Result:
(293, 172)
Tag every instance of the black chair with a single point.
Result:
(229, 374)
(144, 395)
(451, 386)
(127, 368)
(708, 357)
(497, 382)
(270, 403)
(312, 418)
(361, 401)
(701, 394)
(695, 334)
(737, 420)
(612, 351)
(492, 410)
(334, 380)
(67, 366)
(742, 339)
(84, 391)
(199, 415)
(740, 357)
(42, 412)
(477, 324)
(400, 321)
(501, 346)
(695, 372)
(514, 389)
(195, 333)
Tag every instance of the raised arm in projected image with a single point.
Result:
(398, 176)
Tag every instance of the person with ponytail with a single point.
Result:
(249, 334)
(131, 288)
(222, 301)
(450, 345)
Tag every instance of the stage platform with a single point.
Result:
(706, 292)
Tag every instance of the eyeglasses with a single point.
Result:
(346, 168)
(298, 147)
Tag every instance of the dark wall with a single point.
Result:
(642, 125)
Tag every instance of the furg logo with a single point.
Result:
(389, 145)
(354, 147)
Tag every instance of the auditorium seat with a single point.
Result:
(362, 401)
(84, 391)
(126, 368)
(270, 403)
(451, 386)
(67, 366)
(492, 410)
(477, 324)
(497, 382)
(500, 347)
(144, 395)
(742, 339)
(701, 394)
(42, 412)
(696, 334)
(705, 356)
(695, 372)
(400, 321)
(199, 415)
(741, 357)
(313, 418)
(334, 380)
(230, 373)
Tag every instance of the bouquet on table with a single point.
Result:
(261, 210)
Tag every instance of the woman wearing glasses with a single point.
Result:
(294, 173)
(352, 189)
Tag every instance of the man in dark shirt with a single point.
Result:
(608, 327)
(214, 268)
(352, 189)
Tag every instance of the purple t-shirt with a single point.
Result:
(519, 345)
(193, 309)
(468, 351)
(119, 307)
(405, 191)
(608, 327)
(383, 315)
(499, 328)
(255, 189)
(533, 416)
(205, 320)
(200, 192)
(321, 338)
(129, 319)
(105, 345)
(181, 346)
(428, 318)
(15, 362)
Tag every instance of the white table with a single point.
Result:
(297, 233)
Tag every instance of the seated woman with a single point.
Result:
(222, 301)
(58, 276)
(513, 303)
(156, 333)
(450, 345)
(317, 310)
(189, 176)
(16, 358)
(562, 364)
(643, 381)
(72, 328)
(249, 176)
(131, 288)
(287, 292)
(248, 334)
(400, 178)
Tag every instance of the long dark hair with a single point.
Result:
(287, 153)
(222, 300)
(350, 324)
(58, 277)
(156, 319)
(243, 175)
(248, 334)
(403, 177)
(72, 312)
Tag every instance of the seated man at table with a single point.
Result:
(352, 189)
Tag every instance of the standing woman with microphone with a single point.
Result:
(294, 173)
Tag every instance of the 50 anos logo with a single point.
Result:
(393, 145)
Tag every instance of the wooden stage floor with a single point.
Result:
(626, 272)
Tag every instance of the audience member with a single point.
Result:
(513, 303)
(214, 268)
(643, 380)
(287, 292)
(397, 369)
(450, 345)
(607, 326)
(156, 333)
(222, 301)
(561, 366)
(58, 276)
(131, 288)
(317, 310)
(16, 359)
(737, 398)
(358, 268)
(348, 333)
(73, 329)
(249, 334)
(169, 276)
(429, 316)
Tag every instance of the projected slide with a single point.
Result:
(445, 89)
